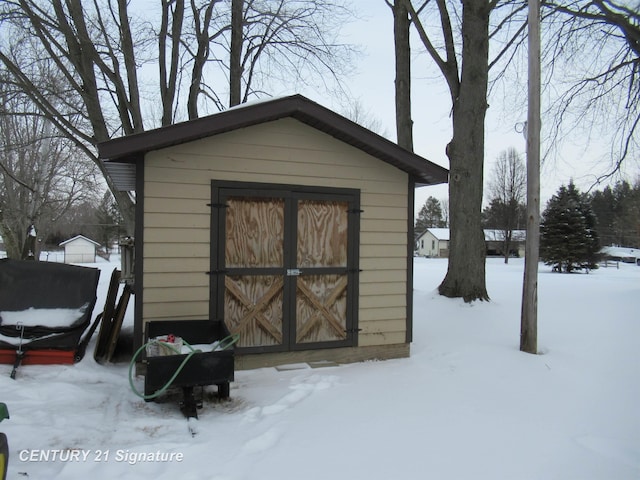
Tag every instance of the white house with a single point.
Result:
(79, 249)
(434, 242)
(622, 254)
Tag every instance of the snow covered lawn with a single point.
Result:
(466, 404)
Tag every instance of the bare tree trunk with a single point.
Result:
(168, 81)
(84, 59)
(507, 244)
(404, 123)
(203, 39)
(235, 65)
(466, 273)
(130, 66)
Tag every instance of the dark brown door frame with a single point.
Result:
(220, 191)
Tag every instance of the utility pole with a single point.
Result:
(529, 317)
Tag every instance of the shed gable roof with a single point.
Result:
(79, 237)
(118, 154)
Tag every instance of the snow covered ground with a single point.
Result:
(466, 404)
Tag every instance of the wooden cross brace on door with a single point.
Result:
(322, 309)
(255, 309)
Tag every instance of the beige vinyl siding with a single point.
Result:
(177, 219)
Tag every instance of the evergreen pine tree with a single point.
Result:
(430, 216)
(568, 239)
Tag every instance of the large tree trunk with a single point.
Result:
(404, 124)
(466, 273)
(168, 81)
(203, 39)
(235, 65)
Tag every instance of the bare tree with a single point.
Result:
(205, 18)
(461, 53)
(90, 55)
(593, 63)
(284, 41)
(444, 202)
(358, 113)
(96, 49)
(507, 190)
(171, 27)
(41, 176)
(401, 27)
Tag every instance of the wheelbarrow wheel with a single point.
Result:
(223, 390)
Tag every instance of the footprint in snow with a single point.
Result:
(262, 442)
(299, 391)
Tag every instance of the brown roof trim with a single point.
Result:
(131, 149)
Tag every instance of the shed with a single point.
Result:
(433, 242)
(79, 249)
(291, 223)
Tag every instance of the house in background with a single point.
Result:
(621, 254)
(285, 220)
(433, 242)
(79, 249)
(494, 239)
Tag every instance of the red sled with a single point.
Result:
(39, 357)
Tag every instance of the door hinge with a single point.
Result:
(216, 272)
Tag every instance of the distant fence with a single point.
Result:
(610, 263)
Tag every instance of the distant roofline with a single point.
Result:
(77, 237)
(518, 235)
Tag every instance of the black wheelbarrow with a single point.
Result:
(190, 368)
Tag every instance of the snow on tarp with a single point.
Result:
(47, 298)
(15, 342)
(54, 318)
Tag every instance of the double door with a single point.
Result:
(284, 264)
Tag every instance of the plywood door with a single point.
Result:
(254, 264)
(321, 258)
(284, 279)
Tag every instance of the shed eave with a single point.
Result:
(132, 149)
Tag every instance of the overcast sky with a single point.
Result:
(374, 87)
